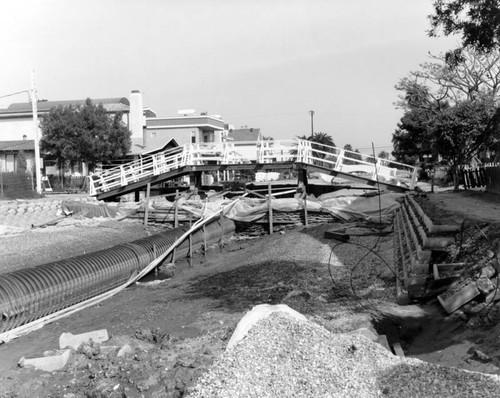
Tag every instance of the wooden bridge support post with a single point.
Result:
(155, 256)
(176, 209)
(195, 179)
(204, 241)
(302, 179)
(306, 222)
(270, 208)
(146, 204)
(190, 251)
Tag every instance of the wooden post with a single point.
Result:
(305, 211)
(204, 241)
(1, 180)
(176, 205)
(146, 204)
(432, 179)
(154, 255)
(190, 244)
(270, 208)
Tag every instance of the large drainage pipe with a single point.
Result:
(32, 293)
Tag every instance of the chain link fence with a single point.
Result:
(17, 186)
(20, 185)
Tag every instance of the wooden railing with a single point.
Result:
(268, 151)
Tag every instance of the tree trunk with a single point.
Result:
(455, 170)
(61, 173)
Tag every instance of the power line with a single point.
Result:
(10, 95)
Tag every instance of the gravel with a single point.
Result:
(284, 357)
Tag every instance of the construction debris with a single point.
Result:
(423, 251)
(69, 340)
(47, 364)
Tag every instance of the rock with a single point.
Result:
(482, 356)
(167, 270)
(156, 336)
(125, 351)
(295, 293)
(484, 285)
(186, 361)
(89, 350)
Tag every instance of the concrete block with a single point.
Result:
(398, 350)
(47, 364)
(463, 296)
(68, 340)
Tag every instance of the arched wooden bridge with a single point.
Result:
(266, 155)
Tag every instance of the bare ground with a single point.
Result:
(178, 327)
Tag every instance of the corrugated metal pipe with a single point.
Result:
(32, 293)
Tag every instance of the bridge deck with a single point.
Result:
(219, 158)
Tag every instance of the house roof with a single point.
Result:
(171, 142)
(17, 145)
(197, 121)
(138, 147)
(245, 134)
(110, 104)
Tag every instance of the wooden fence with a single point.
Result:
(474, 177)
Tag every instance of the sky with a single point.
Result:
(258, 63)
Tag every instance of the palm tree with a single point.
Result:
(323, 139)
(319, 140)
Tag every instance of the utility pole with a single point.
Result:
(38, 166)
(312, 122)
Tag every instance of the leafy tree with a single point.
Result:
(352, 154)
(60, 136)
(447, 79)
(462, 131)
(478, 21)
(322, 139)
(383, 155)
(413, 137)
(86, 134)
(451, 99)
(22, 162)
(319, 140)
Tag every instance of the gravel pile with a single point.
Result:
(284, 357)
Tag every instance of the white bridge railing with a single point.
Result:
(297, 150)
